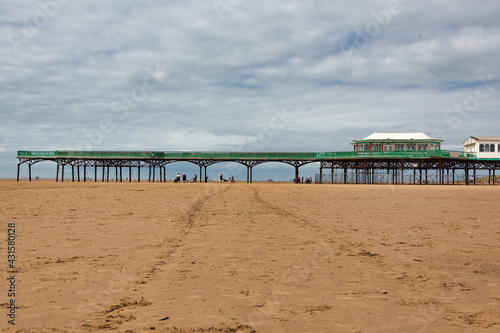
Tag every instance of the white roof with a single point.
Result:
(397, 136)
(485, 138)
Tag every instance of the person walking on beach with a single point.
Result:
(195, 178)
(221, 178)
(184, 178)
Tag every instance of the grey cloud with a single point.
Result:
(82, 77)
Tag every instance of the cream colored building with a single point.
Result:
(484, 146)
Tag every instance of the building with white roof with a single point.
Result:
(484, 146)
(397, 142)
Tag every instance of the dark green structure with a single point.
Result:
(395, 163)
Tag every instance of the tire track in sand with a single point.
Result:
(111, 317)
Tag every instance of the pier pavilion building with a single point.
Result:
(397, 142)
(487, 147)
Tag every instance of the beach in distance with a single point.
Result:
(261, 257)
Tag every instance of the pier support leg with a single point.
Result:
(251, 175)
(121, 174)
(493, 176)
(345, 175)
(248, 174)
(129, 174)
(62, 173)
(73, 173)
(103, 168)
(453, 176)
(95, 173)
(296, 173)
(78, 172)
(201, 173)
(165, 174)
(19, 169)
(107, 175)
(154, 169)
(474, 176)
(150, 173)
(321, 175)
(29, 170)
(57, 173)
(139, 174)
(84, 173)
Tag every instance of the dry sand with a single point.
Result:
(154, 257)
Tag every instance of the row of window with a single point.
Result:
(487, 148)
(398, 147)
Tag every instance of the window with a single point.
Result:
(481, 148)
(434, 146)
(399, 146)
(422, 146)
(411, 146)
(498, 150)
(487, 148)
(492, 148)
(376, 146)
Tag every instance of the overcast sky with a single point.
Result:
(241, 75)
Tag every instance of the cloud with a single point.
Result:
(77, 74)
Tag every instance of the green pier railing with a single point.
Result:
(181, 155)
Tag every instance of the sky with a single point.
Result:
(240, 75)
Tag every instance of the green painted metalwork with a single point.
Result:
(268, 156)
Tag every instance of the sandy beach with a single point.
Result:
(262, 257)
